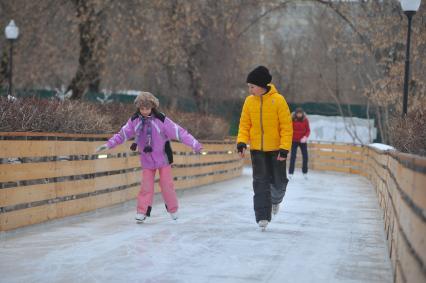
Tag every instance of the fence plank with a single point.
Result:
(331, 168)
(194, 159)
(33, 171)
(192, 171)
(25, 217)
(179, 147)
(335, 147)
(40, 148)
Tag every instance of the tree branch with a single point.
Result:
(363, 39)
(261, 16)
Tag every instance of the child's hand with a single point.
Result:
(241, 148)
(101, 148)
(198, 147)
(304, 139)
(282, 155)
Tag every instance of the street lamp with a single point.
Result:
(410, 7)
(12, 33)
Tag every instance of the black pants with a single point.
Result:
(269, 182)
(304, 149)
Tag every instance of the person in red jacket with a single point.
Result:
(301, 133)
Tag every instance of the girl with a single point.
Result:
(153, 132)
(301, 133)
(266, 123)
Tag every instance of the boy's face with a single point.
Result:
(145, 111)
(299, 115)
(256, 90)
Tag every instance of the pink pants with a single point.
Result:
(146, 194)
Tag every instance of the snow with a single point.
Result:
(329, 229)
(381, 146)
(335, 129)
(128, 92)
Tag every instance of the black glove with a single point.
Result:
(147, 149)
(241, 146)
(283, 153)
(157, 114)
(134, 146)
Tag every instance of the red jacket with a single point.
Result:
(300, 129)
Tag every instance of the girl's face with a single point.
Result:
(299, 115)
(256, 90)
(145, 111)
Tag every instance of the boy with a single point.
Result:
(266, 124)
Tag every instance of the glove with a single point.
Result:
(133, 146)
(241, 146)
(304, 139)
(198, 147)
(101, 148)
(283, 153)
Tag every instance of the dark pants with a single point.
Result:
(269, 182)
(304, 149)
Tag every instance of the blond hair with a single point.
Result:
(146, 99)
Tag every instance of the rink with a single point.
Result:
(329, 229)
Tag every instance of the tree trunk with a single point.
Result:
(93, 44)
(195, 83)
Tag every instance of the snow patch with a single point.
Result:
(342, 129)
(381, 146)
(129, 92)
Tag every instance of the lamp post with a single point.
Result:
(12, 33)
(410, 7)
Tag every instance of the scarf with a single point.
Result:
(145, 122)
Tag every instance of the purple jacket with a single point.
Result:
(161, 132)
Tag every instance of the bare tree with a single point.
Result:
(93, 45)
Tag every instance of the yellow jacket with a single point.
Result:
(266, 122)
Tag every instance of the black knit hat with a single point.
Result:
(260, 77)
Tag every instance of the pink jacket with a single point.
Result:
(161, 132)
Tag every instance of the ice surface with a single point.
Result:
(329, 229)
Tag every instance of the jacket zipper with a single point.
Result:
(261, 123)
(152, 158)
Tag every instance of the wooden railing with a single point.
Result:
(400, 183)
(48, 176)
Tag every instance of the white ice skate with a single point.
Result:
(174, 215)
(263, 224)
(290, 176)
(140, 218)
(275, 208)
(305, 176)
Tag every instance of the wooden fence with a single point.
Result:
(48, 176)
(400, 183)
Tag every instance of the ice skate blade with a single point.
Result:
(174, 216)
(140, 221)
